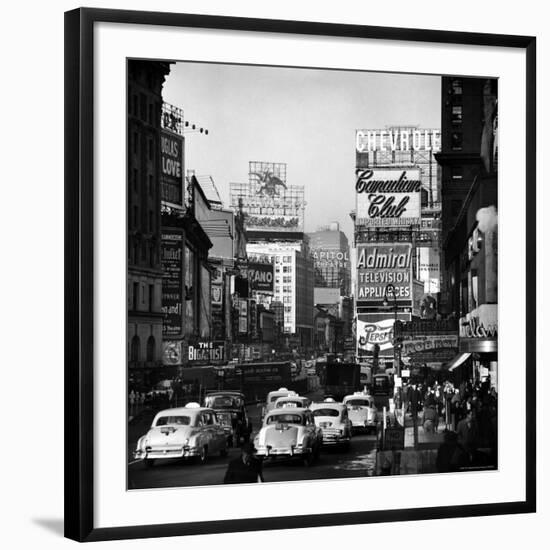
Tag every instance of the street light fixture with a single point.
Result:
(389, 292)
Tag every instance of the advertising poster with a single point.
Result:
(382, 264)
(387, 196)
(429, 268)
(172, 353)
(171, 257)
(171, 171)
(260, 276)
(377, 328)
(268, 202)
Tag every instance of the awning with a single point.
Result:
(457, 361)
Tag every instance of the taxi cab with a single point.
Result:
(332, 418)
(272, 397)
(292, 401)
(362, 411)
(289, 432)
(185, 432)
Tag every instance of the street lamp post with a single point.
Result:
(389, 292)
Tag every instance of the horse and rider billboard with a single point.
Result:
(267, 201)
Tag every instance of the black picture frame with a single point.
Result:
(79, 269)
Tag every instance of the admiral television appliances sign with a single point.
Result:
(382, 264)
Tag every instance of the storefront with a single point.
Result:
(478, 345)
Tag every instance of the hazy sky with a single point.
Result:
(305, 118)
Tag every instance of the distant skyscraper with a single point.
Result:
(331, 256)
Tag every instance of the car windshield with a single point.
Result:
(326, 412)
(224, 417)
(274, 398)
(358, 403)
(222, 402)
(181, 420)
(284, 419)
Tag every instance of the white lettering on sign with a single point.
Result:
(397, 140)
(379, 258)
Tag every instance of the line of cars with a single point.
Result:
(196, 431)
(292, 427)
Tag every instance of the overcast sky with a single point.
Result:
(303, 117)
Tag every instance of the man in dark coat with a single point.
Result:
(246, 468)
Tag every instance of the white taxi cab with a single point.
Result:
(185, 432)
(362, 411)
(292, 401)
(333, 419)
(272, 397)
(289, 433)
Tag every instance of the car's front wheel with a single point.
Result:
(203, 455)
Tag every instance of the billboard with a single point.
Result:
(171, 259)
(387, 196)
(260, 276)
(171, 170)
(377, 328)
(205, 352)
(382, 264)
(330, 258)
(268, 203)
(429, 268)
(172, 353)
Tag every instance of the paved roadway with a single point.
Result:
(333, 463)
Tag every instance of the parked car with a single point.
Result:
(272, 396)
(362, 411)
(185, 432)
(298, 401)
(289, 433)
(232, 414)
(333, 419)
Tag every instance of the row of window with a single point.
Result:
(134, 146)
(134, 221)
(149, 181)
(138, 297)
(148, 111)
(283, 259)
(143, 253)
(135, 349)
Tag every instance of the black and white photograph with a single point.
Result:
(312, 274)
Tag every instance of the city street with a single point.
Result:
(333, 463)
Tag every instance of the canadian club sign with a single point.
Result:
(387, 197)
(382, 264)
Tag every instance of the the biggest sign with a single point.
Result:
(380, 265)
(387, 196)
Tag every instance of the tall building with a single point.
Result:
(331, 256)
(293, 285)
(397, 232)
(273, 212)
(145, 82)
(469, 162)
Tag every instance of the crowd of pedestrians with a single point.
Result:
(466, 413)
